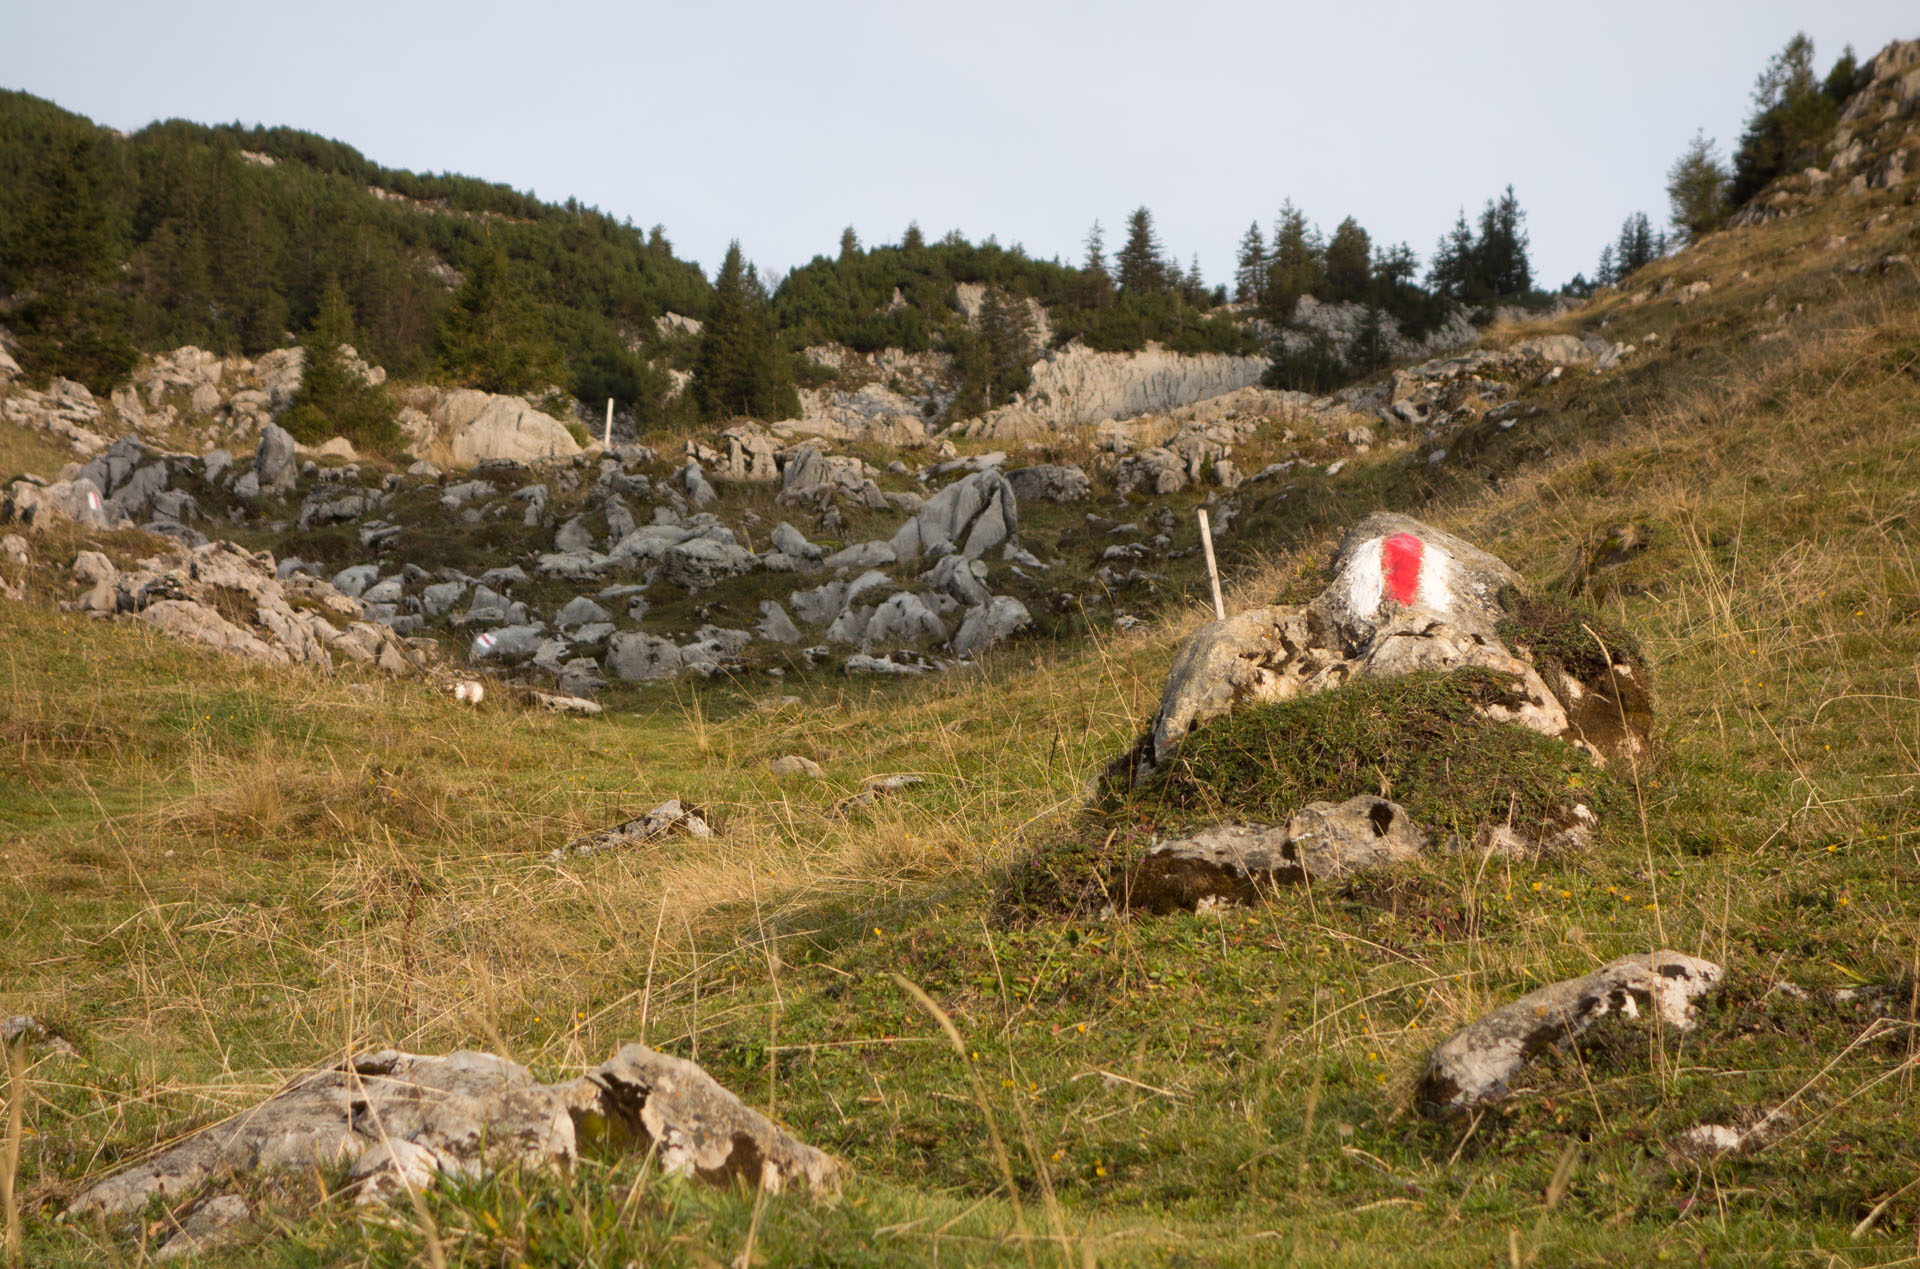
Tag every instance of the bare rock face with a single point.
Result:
(1239, 863)
(402, 1119)
(1473, 1067)
(1076, 384)
(653, 1100)
(1405, 598)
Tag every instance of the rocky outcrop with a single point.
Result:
(1076, 385)
(232, 600)
(403, 1119)
(1405, 597)
(1475, 1065)
(471, 427)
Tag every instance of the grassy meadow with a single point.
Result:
(214, 875)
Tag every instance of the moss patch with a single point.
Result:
(1420, 740)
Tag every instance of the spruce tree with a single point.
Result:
(1792, 117)
(1501, 269)
(1634, 248)
(491, 338)
(1142, 270)
(1096, 283)
(913, 239)
(739, 370)
(333, 399)
(849, 244)
(1250, 267)
(1349, 262)
(1295, 266)
(1451, 271)
(1606, 273)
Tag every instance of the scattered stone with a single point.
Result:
(1704, 1142)
(274, 460)
(860, 663)
(872, 789)
(1473, 1067)
(1050, 481)
(775, 625)
(642, 658)
(564, 703)
(793, 765)
(669, 817)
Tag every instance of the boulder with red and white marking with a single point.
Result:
(1405, 597)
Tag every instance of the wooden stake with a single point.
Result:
(1213, 569)
(607, 441)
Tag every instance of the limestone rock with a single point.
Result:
(700, 562)
(1049, 481)
(275, 461)
(902, 619)
(790, 541)
(642, 658)
(210, 1223)
(669, 817)
(1404, 598)
(973, 515)
(1473, 1067)
(656, 1102)
(1238, 863)
(794, 766)
(775, 625)
(992, 622)
(481, 427)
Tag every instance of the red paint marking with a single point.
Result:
(1400, 561)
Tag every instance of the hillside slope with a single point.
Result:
(222, 873)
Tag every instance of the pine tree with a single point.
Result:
(1096, 259)
(1606, 273)
(913, 240)
(491, 338)
(1142, 270)
(62, 254)
(739, 370)
(1349, 262)
(1697, 188)
(333, 399)
(1096, 282)
(1452, 269)
(1250, 267)
(1501, 269)
(849, 244)
(1006, 338)
(1792, 117)
(1296, 265)
(1369, 351)
(1634, 247)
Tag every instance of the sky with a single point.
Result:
(779, 124)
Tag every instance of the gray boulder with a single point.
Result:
(990, 623)
(438, 599)
(1050, 481)
(820, 605)
(574, 535)
(509, 642)
(963, 579)
(1241, 863)
(642, 658)
(276, 460)
(578, 611)
(700, 562)
(972, 515)
(862, 555)
(775, 625)
(902, 619)
(1474, 1066)
(700, 490)
(1404, 598)
(790, 541)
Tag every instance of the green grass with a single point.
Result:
(216, 874)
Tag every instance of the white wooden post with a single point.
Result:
(607, 441)
(1213, 570)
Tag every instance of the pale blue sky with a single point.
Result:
(778, 124)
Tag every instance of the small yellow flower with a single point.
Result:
(1081, 1027)
(1536, 887)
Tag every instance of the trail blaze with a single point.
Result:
(1400, 560)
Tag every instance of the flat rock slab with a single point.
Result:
(1240, 863)
(1473, 1067)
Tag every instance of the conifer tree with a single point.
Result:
(913, 239)
(1606, 273)
(1142, 270)
(739, 370)
(1296, 265)
(1634, 247)
(1452, 266)
(1501, 268)
(333, 399)
(491, 338)
(1792, 116)
(1250, 267)
(849, 244)
(1096, 283)
(1349, 262)
(1697, 188)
